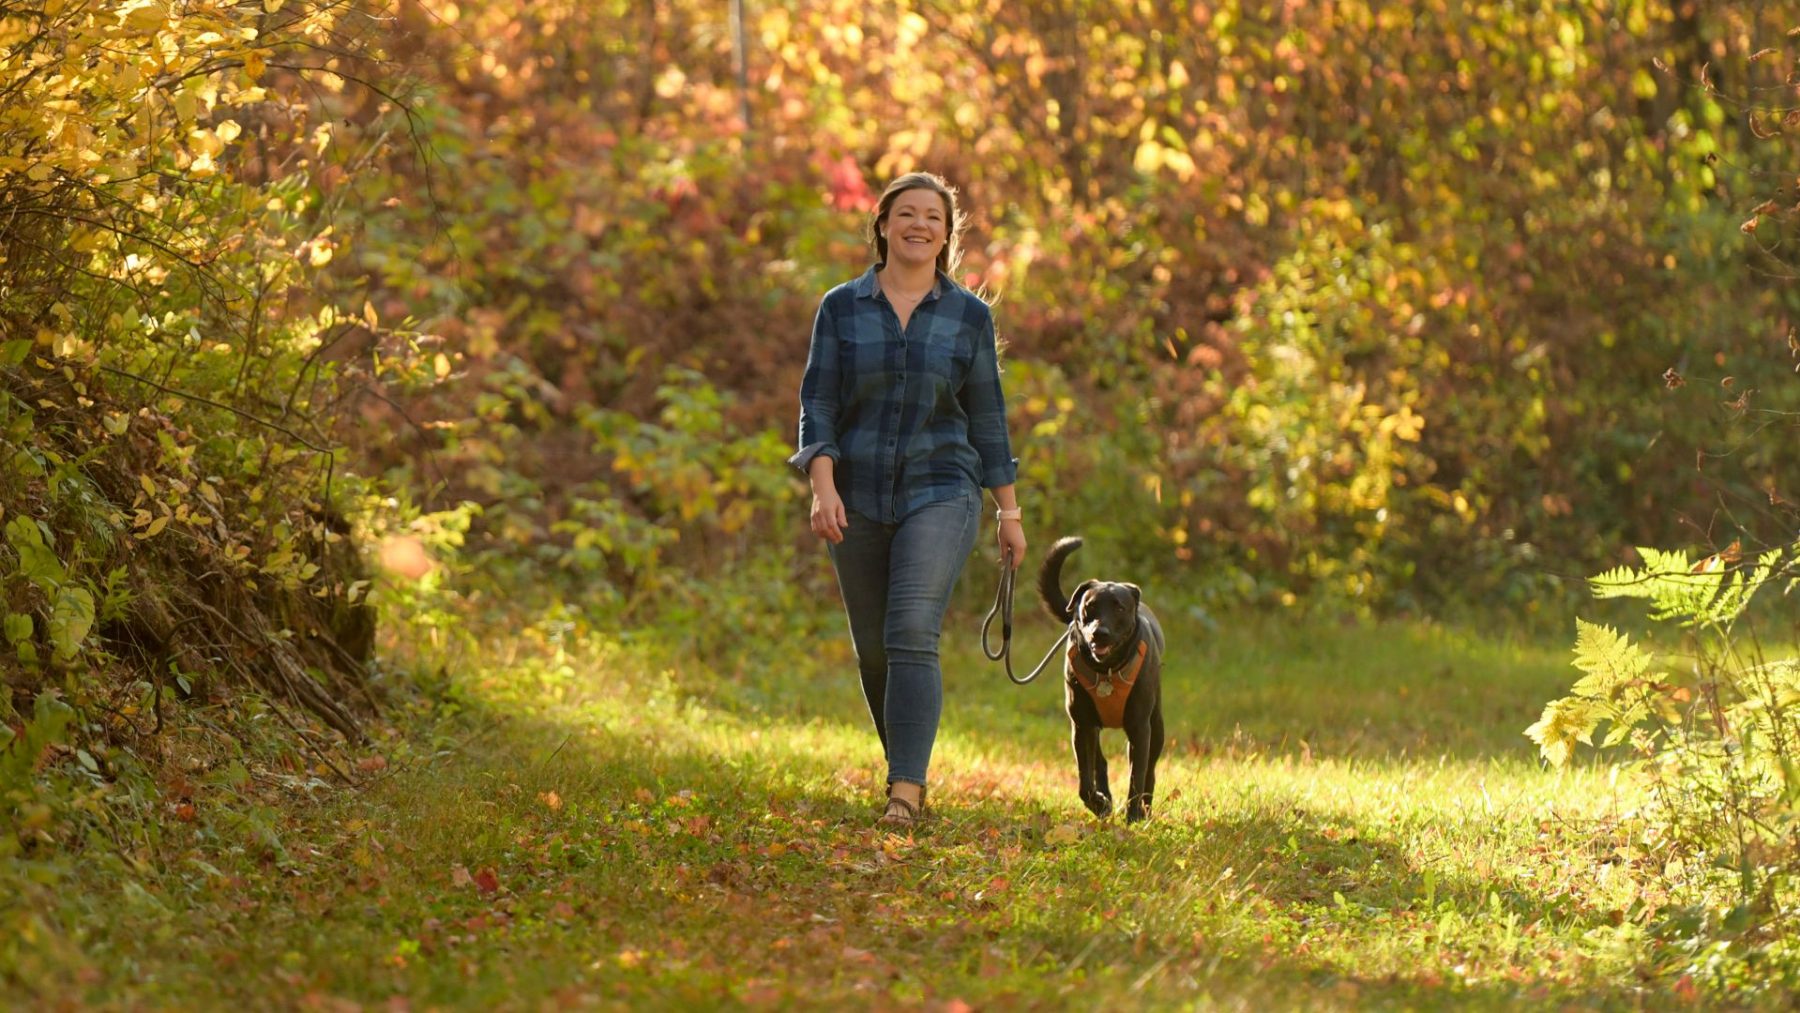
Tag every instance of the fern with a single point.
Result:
(1707, 593)
(1719, 752)
(1613, 669)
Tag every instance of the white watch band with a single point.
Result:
(1014, 514)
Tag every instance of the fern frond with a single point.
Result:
(1621, 582)
(1624, 720)
(1609, 658)
(1659, 561)
(1564, 723)
(1741, 587)
(1712, 596)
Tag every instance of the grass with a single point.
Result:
(1349, 818)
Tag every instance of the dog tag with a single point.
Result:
(1103, 689)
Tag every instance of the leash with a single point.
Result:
(1003, 607)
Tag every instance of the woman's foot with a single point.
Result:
(905, 805)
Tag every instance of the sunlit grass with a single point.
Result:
(1347, 816)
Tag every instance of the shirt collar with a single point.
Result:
(866, 287)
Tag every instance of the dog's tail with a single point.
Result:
(1050, 578)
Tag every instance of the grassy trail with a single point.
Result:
(1349, 818)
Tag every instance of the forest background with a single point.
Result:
(322, 321)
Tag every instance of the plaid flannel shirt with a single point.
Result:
(912, 417)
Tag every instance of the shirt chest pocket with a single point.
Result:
(945, 352)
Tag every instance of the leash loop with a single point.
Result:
(1003, 607)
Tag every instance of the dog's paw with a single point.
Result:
(1137, 811)
(1099, 805)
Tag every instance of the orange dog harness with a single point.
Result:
(1109, 691)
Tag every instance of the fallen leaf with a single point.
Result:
(551, 800)
(1065, 834)
(486, 881)
(459, 877)
(376, 762)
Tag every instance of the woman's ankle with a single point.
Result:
(906, 791)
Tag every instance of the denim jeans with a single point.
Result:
(896, 581)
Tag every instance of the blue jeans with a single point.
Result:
(896, 581)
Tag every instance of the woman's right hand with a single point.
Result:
(829, 518)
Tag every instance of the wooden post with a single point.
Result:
(741, 57)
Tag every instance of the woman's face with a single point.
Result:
(916, 227)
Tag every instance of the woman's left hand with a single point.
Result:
(1012, 536)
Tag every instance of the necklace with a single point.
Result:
(894, 294)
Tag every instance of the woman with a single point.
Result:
(902, 424)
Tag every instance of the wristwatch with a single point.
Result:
(1009, 515)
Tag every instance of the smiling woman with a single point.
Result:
(902, 424)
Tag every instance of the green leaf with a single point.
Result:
(36, 560)
(18, 627)
(48, 719)
(70, 620)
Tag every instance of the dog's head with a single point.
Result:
(1105, 616)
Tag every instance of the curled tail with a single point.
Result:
(1050, 578)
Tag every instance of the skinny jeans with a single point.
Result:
(896, 581)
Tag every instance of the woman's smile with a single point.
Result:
(916, 225)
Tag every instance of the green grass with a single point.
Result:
(1348, 818)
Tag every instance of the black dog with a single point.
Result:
(1114, 679)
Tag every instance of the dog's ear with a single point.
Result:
(1075, 598)
(1137, 596)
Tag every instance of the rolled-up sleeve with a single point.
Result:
(985, 403)
(819, 393)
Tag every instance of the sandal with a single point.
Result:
(900, 813)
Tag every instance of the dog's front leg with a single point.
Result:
(1090, 770)
(1145, 742)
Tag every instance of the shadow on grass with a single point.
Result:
(1263, 683)
(736, 864)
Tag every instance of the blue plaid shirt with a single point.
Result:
(911, 417)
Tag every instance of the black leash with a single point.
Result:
(1003, 606)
